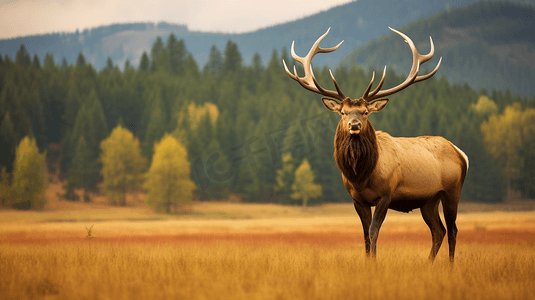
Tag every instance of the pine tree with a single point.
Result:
(144, 63)
(7, 143)
(36, 63)
(232, 62)
(215, 61)
(156, 125)
(122, 164)
(168, 180)
(80, 61)
(22, 58)
(98, 120)
(177, 55)
(159, 57)
(72, 104)
(5, 187)
(191, 68)
(285, 178)
(29, 176)
(83, 172)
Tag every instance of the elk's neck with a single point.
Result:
(356, 154)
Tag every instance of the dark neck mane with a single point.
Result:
(356, 154)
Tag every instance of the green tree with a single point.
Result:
(215, 60)
(5, 187)
(122, 164)
(285, 178)
(80, 60)
(83, 172)
(168, 180)
(144, 63)
(157, 122)
(191, 68)
(7, 142)
(233, 60)
(72, 105)
(29, 176)
(36, 63)
(177, 54)
(91, 124)
(159, 57)
(303, 186)
(22, 58)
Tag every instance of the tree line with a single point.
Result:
(247, 129)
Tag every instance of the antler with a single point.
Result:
(417, 60)
(309, 82)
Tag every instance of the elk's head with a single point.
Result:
(354, 112)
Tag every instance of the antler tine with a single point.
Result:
(365, 95)
(417, 60)
(309, 81)
(378, 88)
(336, 85)
(424, 77)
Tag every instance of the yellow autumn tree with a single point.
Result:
(508, 137)
(122, 164)
(303, 187)
(168, 182)
(29, 176)
(193, 115)
(485, 107)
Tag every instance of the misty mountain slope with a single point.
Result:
(487, 45)
(356, 23)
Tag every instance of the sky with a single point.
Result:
(29, 17)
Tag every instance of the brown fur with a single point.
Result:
(356, 155)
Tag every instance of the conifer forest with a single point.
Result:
(246, 127)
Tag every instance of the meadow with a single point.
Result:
(218, 250)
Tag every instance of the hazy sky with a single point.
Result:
(26, 17)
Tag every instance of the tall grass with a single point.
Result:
(242, 270)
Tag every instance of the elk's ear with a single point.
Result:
(331, 104)
(377, 105)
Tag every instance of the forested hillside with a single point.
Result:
(487, 45)
(356, 23)
(247, 128)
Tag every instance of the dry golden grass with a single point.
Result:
(319, 256)
(220, 250)
(237, 270)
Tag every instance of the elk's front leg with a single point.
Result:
(378, 217)
(365, 214)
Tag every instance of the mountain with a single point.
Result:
(487, 45)
(356, 23)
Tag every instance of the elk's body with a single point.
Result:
(387, 172)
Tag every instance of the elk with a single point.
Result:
(390, 172)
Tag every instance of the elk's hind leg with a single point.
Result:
(450, 203)
(432, 219)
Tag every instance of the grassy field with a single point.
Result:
(219, 250)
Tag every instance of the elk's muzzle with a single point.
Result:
(354, 128)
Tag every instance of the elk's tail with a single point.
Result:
(464, 158)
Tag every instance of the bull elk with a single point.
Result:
(390, 172)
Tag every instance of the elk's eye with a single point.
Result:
(366, 113)
(342, 113)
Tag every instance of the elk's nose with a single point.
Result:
(354, 127)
